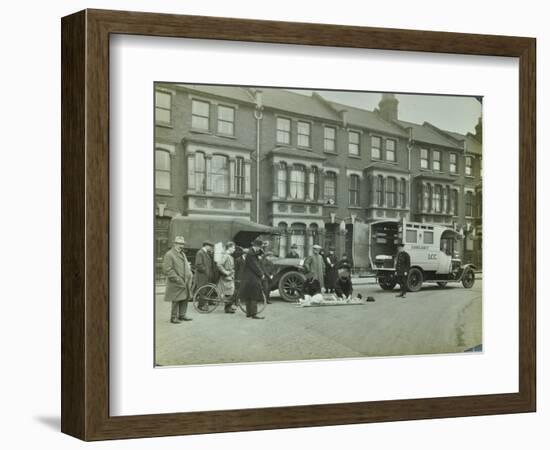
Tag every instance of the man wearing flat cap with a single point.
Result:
(179, 279)
(252, 277)
(316, 265)
(204, 268)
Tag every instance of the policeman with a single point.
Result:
(402, 268)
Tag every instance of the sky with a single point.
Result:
(449, 112)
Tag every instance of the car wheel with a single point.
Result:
(387, 284)
(442, 284)
(291, 285)
(414, 280)
(469, 278)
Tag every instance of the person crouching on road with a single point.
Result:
(251, 282)
(179, 279)
(402, 268)
(226, 283)
(344, 286)
(311, 285)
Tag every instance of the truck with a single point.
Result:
(433, 249)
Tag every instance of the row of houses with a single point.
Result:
(317, 170)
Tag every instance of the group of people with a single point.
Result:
(325, 271)
(243, 272)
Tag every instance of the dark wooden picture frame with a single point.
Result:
(85, 224)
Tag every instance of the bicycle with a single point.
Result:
(209, 296)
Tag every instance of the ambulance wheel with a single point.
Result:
(415, 279)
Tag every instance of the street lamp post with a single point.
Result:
(258, 114)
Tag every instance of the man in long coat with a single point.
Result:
(204, 267)
(179, 279)
(402, 268)
(316, 265)
(331, 261)
(252, 276)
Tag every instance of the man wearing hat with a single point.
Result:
(316, 265)
(402, 267)
(293, 253)
(204, 267)
(178, 280)
(252, 277)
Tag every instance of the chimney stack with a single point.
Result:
(388, 107)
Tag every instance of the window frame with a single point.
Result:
(299, 134)
(455, 163)
(378, 148)
(354, 189)
(391, 197)
(297, 168)
(330, 176)
(194, 114)
(438, 160)
(226, 175)
(425, 160)
(280, 130)
(163, 108)
(239, 181)
(358, 143)
(393, 152)
(325, 139)
(468, 168)
(220, 120)
(169, 170)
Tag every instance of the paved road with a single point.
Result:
(434, 320)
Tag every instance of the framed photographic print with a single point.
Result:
(308, 224)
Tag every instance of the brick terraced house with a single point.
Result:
(316, 170)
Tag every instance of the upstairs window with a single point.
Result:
(390, 150)
(452, 163)
(239, 176)
(403, 193)
(304, 134)
(297, 183)
(354, 190)
(162, 170)
(353, 143)
(330, 139)
(281, 180)
(391, 193)
(468, 169)
(226, 120)
(163, 107)
(283, 130)
(376, 145)
(469, 204)
(436, 160)
(220, 174)
(380, 190)
(424, 158)
(200, 115)
(200, 172)
(437, 198)
(329, 190)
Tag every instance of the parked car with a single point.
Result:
(288, 273)
(433, 250)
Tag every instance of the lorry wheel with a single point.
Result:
(469, 278)
(442, 284)
(291, 285)
(387, 284)
(415, 279)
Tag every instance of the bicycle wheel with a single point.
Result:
(261, 304)
(206, 299)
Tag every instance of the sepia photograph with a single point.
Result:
(309, 224)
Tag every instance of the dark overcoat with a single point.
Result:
(343, 287)
(179, 277)
(251, 277)
(402, 264)
(331, 262)
(204, 268)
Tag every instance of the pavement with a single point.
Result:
(434, 320)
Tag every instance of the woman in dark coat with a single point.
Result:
(331, 261)
(252, 276)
